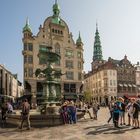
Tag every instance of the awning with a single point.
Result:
(125, 85)
(129, 85)
(134, 85)
(120, 85)
(70, 96)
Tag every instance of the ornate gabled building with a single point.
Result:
(102, 83)
(126, 77)
(54, 32)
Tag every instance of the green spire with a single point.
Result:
(97, 54)
(56, 9)
(56, 12)
(27, 26)
(79, 40)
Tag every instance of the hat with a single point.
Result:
(121, 99)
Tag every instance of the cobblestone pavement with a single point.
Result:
(85, 129)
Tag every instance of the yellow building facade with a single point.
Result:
(55, 33)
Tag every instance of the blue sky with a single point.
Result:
(118, 21)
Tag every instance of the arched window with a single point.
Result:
(57, 48)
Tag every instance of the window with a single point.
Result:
(69, 53)
(114, 73)
(25, 59)
(105, 73)
(57, 63)
(79, 76)
(43, 47)
(30, 72)
(114, 83)
(57, 49)
(25, 72)
(69, 75)
(53, 30)
(61, 32)
(105, 83)
(30, 59)
(110, 82)
(79, 54)
(25, 46)
(42, 61)
(30, 47)
(79, 65)
(69, 88)
(69, 64)
(56, 31)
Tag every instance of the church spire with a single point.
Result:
(79, 41)
(97, 53)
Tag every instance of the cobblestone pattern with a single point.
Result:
(85, 129)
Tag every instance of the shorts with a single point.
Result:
(136, 115)
(122, 114)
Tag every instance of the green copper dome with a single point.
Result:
(27, 26)
(56, 9)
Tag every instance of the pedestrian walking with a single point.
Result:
(4, 110)
(86, 110)
(116, 112)
(25, 116)
(95, 108)
(10, 108)
(135, 114)
(111, 106)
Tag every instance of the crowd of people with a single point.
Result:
(7, 108)
(69, 109)
(118, 111)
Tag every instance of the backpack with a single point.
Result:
(26, 109)
(138, 103)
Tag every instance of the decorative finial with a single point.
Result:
(79, 34)
(27, 21)
(27, 26)
(96, 25)
(55, 1)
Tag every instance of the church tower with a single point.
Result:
(97, 51)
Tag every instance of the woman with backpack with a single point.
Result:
(116, 113)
